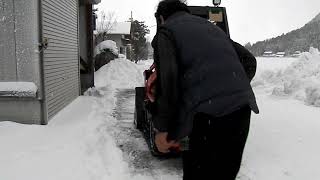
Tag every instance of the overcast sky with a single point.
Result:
(249, 20)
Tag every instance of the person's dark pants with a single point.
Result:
(216, 146)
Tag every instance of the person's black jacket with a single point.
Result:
(247, 60)
(176, 101)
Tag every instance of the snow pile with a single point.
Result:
(106, 45)
(75, 145)
(119, 73)
(273, 63)
(78, 142)
(18, 89)
(146, 63)
(300, 80)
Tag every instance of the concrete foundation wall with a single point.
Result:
(20, 110)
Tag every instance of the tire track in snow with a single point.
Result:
(132, 143)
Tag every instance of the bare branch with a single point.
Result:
(106, 23)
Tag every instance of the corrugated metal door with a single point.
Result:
(61, 57)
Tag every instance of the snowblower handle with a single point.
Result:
(152, 67)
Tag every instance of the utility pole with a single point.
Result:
(131, 18)
(129, 46)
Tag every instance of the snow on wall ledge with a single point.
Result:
(18, 89)
(301, 80)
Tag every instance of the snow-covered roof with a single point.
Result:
(121, 28)
(18, 89)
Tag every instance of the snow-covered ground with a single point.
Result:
(299, 79)
(94, 139)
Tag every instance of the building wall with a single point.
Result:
(21, 26)
(118, 39)
(19, 58)
(86, 45)
(21, 110)
(19, 37)
(83, 29)
(61, 58)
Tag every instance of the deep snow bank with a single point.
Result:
(73, 146)
(301, 80)
(119, 73)
(78, 143)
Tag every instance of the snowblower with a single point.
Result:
(144, 99)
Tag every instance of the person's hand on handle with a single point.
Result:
(163, 144)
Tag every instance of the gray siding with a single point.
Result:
(61, 58)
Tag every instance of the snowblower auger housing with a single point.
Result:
(144, 106)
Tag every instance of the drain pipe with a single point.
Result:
(42, 94)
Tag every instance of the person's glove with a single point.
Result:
(163, 145)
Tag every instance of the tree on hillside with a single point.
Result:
(139, 41)
(248, 45)
(297, 40)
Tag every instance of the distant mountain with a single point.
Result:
(316, 19)
(298, 40)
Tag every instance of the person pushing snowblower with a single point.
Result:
(199, 88)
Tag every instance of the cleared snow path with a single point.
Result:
(133, 145)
